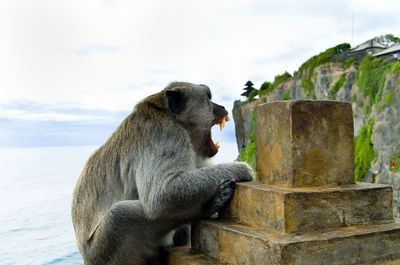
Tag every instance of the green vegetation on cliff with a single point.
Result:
(328, 55)
(335, 88)
(267, 87)
(371, 77)
(248, 153)
(364, 151)
(285, 96)
(306, 71)
(395, 162)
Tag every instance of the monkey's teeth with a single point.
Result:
(217, 145)
(222, 124)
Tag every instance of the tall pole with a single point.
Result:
(352, 27)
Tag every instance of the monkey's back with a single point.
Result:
(110, 173)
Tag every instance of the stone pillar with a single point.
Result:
(305, 143)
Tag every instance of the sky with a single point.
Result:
(71, 71)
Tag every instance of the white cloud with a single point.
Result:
(110, 54)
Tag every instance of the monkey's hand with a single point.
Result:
(241, 171)
(221, 198)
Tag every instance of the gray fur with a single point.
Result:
(147, 179)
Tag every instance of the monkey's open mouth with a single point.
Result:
(214, 146)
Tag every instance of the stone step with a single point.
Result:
(187, 256)
(300, 210)
(233, 243)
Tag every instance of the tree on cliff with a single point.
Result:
(388, 40)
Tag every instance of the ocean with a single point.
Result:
(36, 186)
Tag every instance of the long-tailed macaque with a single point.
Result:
(150, 177)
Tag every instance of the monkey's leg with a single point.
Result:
(125, 236)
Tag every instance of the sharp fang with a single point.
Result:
(217, 145)
(227, 118)
(222, 124)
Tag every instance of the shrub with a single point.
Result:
(335, 88)
(395, 68)
(350, 62)
(388, 98)
(354, 97)
(371, 77)
(367, 109)
(308, 87)
(286, 96)
(363, 151)
(252, 95)
(395, 162)
(323, 57)
(265, 88)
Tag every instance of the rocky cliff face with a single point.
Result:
(373, 88)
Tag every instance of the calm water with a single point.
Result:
(36, 187)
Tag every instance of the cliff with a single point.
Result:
(373, 88)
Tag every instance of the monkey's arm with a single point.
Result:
(183, 194)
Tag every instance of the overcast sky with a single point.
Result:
(83, 63)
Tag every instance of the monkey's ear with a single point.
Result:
(176, 101)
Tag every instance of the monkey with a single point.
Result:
(152, 176)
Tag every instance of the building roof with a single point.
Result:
(394, 48)
(372, 43)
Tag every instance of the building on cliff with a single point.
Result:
(371, 46)
(391, 54)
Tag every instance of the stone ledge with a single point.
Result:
(300, 210)
(187, 256)
(233, 243)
